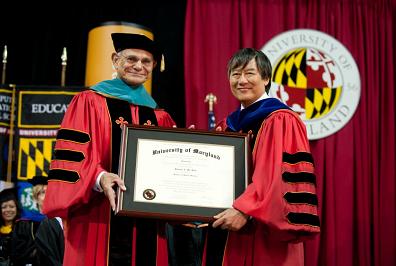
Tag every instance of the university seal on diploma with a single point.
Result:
(149, 194)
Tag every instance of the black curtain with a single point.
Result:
(35, 36)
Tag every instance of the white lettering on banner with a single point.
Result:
(39, 108)
(4, 107)
(301, 39)
(5, 99)
(5, 130)
(37, 132)
(5, 116)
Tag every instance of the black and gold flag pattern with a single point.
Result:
(319, 102)
(291, 69)
(34, 156)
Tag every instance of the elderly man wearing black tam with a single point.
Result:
(83, 173)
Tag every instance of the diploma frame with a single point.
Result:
(131, 135)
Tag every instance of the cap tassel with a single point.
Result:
(162, 66)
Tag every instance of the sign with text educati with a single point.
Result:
(317, 77)
(39, 113)
(6, 99)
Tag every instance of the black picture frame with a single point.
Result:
(132, 135)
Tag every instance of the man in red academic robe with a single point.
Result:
(278, 209)
(82, 175)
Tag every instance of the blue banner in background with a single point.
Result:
(28, 204)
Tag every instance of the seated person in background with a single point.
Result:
(37, 241)
(9, 214)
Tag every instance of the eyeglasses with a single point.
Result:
(133, 59)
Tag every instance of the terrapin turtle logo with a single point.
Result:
(317, 77)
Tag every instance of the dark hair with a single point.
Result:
(7, 195)
(244, 56)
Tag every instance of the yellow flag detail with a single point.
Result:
(34, 157)
(322, 102)
(291, 69)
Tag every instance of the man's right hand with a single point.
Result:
(108, 181)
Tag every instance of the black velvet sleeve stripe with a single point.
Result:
(73, 135)
(301, 198)
(297, 157)
(63, 175)
(300, 177)
(303, 219)
(69, 155)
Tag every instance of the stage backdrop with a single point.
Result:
(354, 166)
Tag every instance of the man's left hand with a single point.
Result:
(230, 219)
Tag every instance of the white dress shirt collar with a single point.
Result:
(264, 96)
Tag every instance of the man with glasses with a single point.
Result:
(83, 175)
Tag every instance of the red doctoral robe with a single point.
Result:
(281, 199)
(83, 150)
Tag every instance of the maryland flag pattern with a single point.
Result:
(291, 69)
(34, 156)
(320, 101)
(308, 81)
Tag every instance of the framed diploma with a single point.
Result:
(180, 174)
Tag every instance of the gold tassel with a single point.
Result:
(162, 66)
